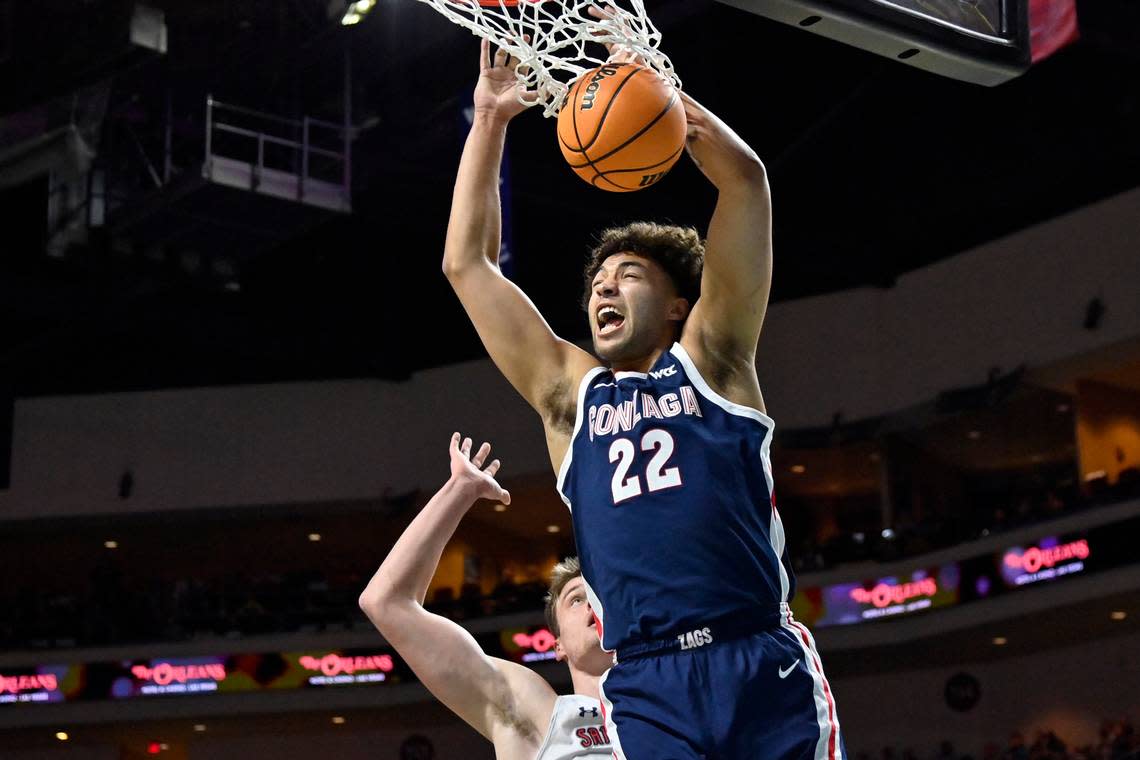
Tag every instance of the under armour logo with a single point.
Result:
(582, 712)
(667, 372)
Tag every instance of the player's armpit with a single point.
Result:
(532, 702)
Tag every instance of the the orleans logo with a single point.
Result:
(595, 82)
(165, 673)
(1034, 558)
(335, 664)
(537, 646)
(541, 640)
(883, 595)
(17, 684)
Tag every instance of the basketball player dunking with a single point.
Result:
(507, 703)
(662, 453)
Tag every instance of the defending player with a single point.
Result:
(662, 454)
(509, 704)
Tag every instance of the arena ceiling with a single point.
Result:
(876, 169)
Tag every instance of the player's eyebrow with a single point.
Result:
(620, 266)
(570, 589)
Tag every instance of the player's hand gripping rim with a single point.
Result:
(619, 53)
(500, 91)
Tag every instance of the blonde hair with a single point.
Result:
(564, 572)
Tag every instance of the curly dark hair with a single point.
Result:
(678, 250)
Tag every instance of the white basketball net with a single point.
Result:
(564, 40)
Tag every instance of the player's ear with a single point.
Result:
(559, 652)
(678, 309)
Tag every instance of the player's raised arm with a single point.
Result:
(516, 336)
(726, 320)
(491, 695)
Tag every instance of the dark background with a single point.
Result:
(876, 169)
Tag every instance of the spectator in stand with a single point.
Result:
(1016, 749)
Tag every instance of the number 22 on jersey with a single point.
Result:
(658, 474)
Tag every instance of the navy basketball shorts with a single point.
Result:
(762, 696)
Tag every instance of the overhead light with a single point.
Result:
(974, 435)
(1062, 408)
(62, 736)
(1118, 614)
(355, 12)
(164, 746)
(552, 529)
(1000, 641)
(314, 536)
(111, 544)
(799, 469)
(338, 719)
(199, 727)
(500, 507)
(887, 533)
(1096, 475)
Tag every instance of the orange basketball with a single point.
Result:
(622, 127)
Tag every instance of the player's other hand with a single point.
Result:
(497, 93)
(612, 15)
(467, 470)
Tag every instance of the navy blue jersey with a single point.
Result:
(670, 487)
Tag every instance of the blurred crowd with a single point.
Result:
(1116, 740)
(124, 605)
(121, 608)
(909, 537)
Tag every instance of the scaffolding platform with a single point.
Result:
(263, 179)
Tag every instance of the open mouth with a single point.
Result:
(610, 320)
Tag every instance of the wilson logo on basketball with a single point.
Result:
(595, 82)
